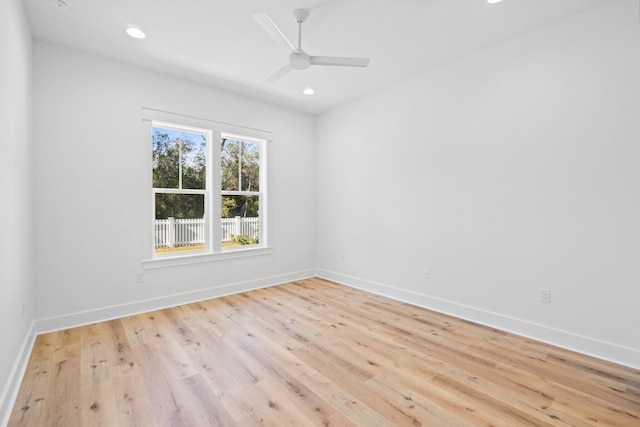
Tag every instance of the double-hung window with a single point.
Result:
(240, 190)
(208, 191)
(181, 188)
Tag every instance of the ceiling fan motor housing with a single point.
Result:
(299, 60)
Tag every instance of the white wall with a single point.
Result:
(507, 171)
(16, 205)
(511, 170)
(92, 194)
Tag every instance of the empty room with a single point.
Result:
(320, 213)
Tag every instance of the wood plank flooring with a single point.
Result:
(314, 353)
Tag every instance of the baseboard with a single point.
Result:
(10, 391)
(113, 312)
(567, 340)
(592, 347)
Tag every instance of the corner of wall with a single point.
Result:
(10, 391)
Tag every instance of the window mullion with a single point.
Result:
(239, 165)
(180, 160)
(263, 191)
(178, 191)
(214, 183)
(240, 193)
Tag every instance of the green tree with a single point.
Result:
(166, 159)
(240, 161)
(179, 162)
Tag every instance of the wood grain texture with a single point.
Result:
(314, 353)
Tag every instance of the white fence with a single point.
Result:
(240, 226)
(173, 232)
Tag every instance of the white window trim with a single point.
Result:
(262, 193)
(177, 260)
(213, 252)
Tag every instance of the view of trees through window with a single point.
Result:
(240, 184)
(180, 167)
(179, 162)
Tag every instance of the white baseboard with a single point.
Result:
(10, 391)
(597, 348)
(113, 312)
(567, 340)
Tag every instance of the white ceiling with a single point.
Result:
(217, 42)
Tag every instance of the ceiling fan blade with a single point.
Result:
(279, 74)
(272, 29)
(339, 61)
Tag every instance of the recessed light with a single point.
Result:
(308, 91)
(493, 1)
(135, 32)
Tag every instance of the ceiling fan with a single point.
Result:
(298, 58)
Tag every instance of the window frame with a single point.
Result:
(213, 250)
(206, 192)
(260, 194)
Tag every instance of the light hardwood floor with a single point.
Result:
(313, 353)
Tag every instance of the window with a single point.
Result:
(207, 191)
(240, 190)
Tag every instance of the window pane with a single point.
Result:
(179, 223)
(194, 158)
(166, 155)
(179, 205)
(240, 220)
(230, 156)
(250, 166)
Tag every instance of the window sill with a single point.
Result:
(150, 264)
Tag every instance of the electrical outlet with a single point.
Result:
(140, 277)
(426, 273)
(545, 296)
